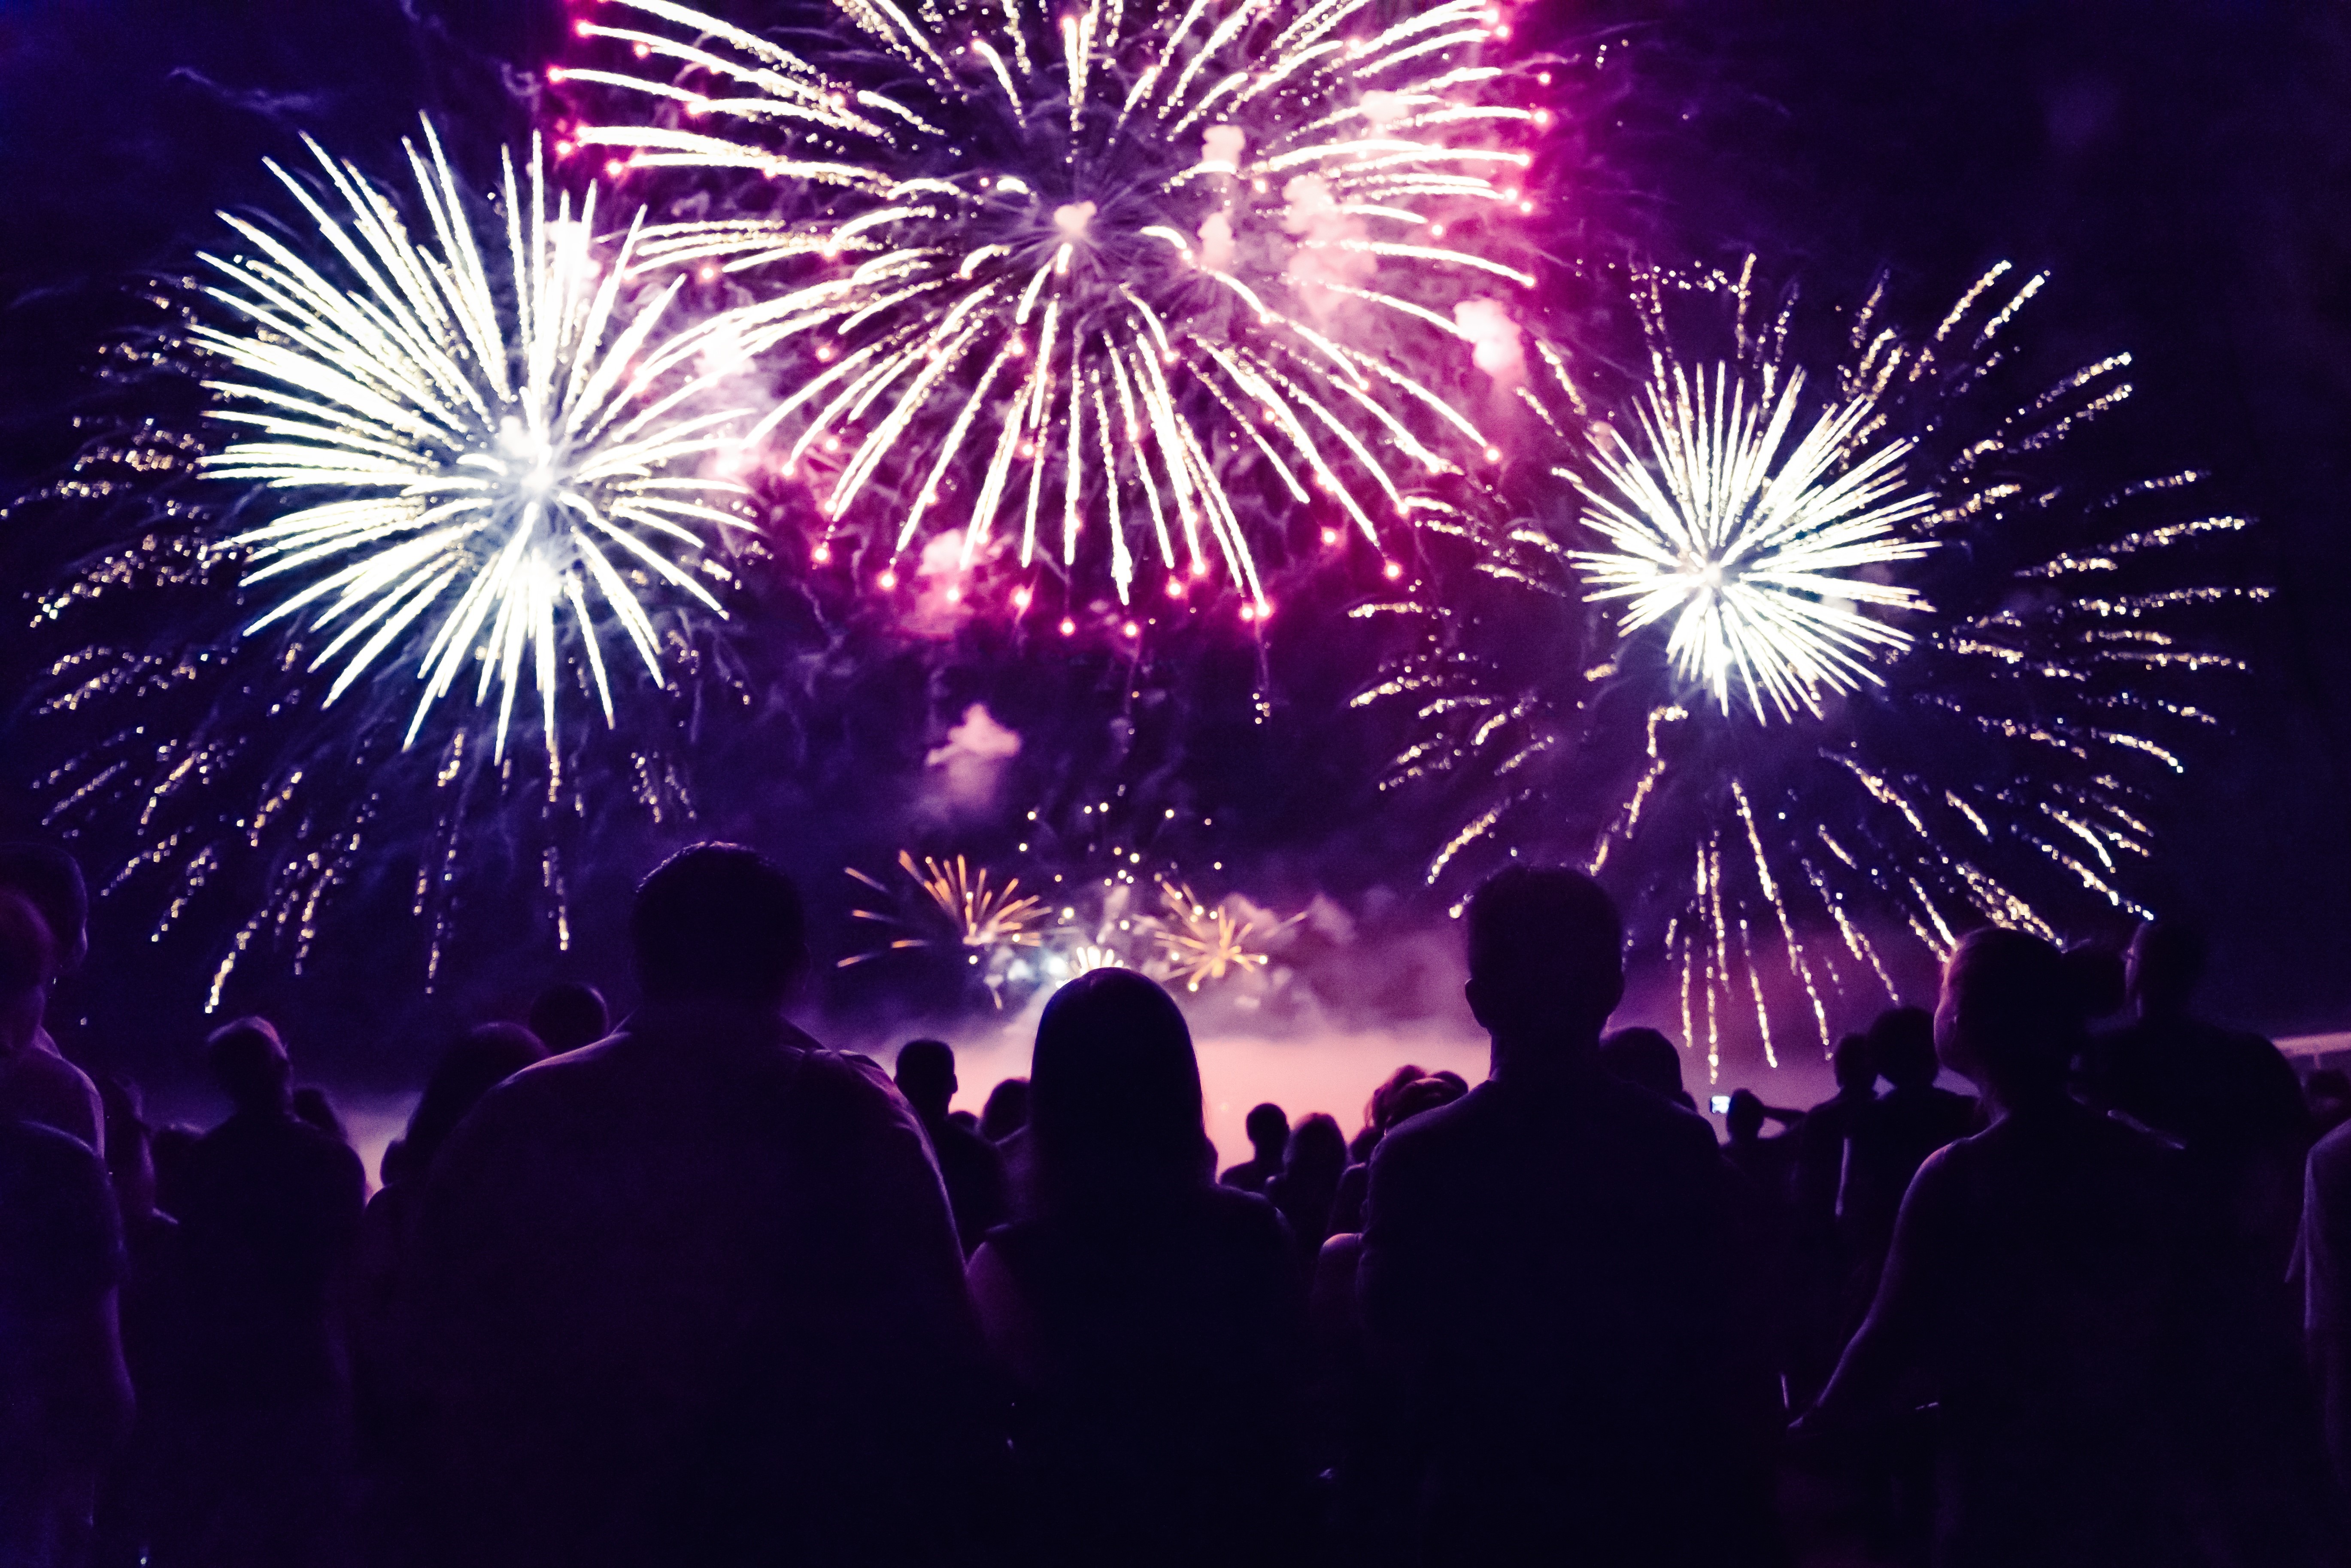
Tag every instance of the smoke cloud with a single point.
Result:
(1493, 339)
(967, 769)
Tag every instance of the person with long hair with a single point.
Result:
(1150, 1321)
(2040, 1291)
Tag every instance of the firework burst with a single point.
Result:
(1754, 555)
(1197, 943)
(1118, 279)
(478, 460)
(1896, 677)
(981, 919)
(467, 448)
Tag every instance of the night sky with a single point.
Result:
(2183, 168)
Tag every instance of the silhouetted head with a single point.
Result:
(1744, 1120)
(27, 958)
(1902, 1047)
(567, 1015)
(51, 880)
(1546, 958)
(1855, 1065)
(482, 1057)
(719, 923)
(1426, 1094)
(926, 1077)
(1114, 1093)
(2165, 966)
(1006, 1111)
(2105, 978)
(248, 1062)
(1646, 1058)
(2013, 1013)
(1267, 1127)
(1317, 1153)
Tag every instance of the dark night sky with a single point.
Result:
(2184, 166)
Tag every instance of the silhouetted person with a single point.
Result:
(1006, 1111)
(1547, 1272)
(973, 1170)
(1769, 1163)
(2228, 1096)
(2037, 1289)
(1644, 1056)
(1149, 1319)
(391, 1401)
(2326, 1259)
(1821, 1141)
(567, 1015)
(152, 1314)
(1824, 1305)
(692, 1294)
(1375, 1111)
(1308, 1183)
(36, 1084)
(65, 1395)
(1440, 1088)
(1268, 1126)
(271, 1208)
(1889, 1138)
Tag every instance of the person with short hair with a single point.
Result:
(1826, 1299)
(65, 1403)
(270, 1210)
(968, 1164)
(2226, 1096)
(692, 1294)
(1546, 1269)
(1268, 1128)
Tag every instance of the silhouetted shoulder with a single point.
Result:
(1632, 1116)
(58, 1228)
(1467, 1120)
(1642, 1113)
(850, 1082)
(1247, 1216)
(329, 1153)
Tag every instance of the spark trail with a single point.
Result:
(1885, 668)
(1140, 279)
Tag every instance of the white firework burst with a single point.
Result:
(1758, 556)
(1087, 271)
(2021, 655)
(480, 446)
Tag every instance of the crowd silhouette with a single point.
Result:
(689, 1288)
